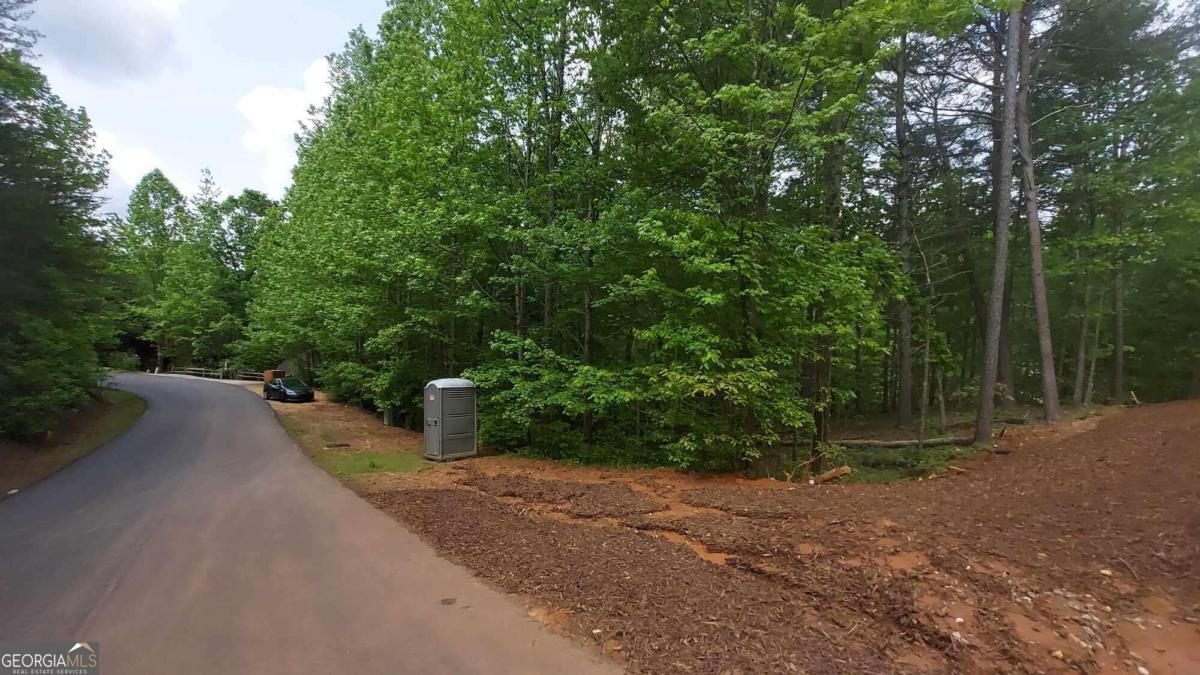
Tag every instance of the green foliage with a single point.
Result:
(121, 361)
(884, 465)
(580, 209)
(52, 308)
(186, 266)
(345, 380)
(652, 232)
(671, 232)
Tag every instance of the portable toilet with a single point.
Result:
(450, 419)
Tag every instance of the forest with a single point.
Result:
(670, 232)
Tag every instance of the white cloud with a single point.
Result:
(112, 40)
(127, 164)
(273, 115)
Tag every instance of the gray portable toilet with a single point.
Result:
(450, 419)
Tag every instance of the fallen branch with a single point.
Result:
(834, 474)
(1130, 568)
(929, 442)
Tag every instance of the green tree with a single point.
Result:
(187, 263)
(689, 232)
(52, 310)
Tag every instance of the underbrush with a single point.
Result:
(884, 465)
(562, 443)
(871, 465)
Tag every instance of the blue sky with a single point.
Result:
(187, 84)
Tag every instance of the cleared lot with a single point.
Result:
(1076, 551)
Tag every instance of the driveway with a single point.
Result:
(204, 541)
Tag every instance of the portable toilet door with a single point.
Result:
(450, 419)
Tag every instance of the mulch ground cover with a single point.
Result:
(1070, 552)
(585, 500)
(664, 608)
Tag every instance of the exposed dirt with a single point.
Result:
(648, 600)
(585, 500)
(325, 424)
(1076, 551)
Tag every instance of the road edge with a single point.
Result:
(126, 408)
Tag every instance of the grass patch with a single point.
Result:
(298, 433)
(346, 465)
(884, 465)
(93, 425)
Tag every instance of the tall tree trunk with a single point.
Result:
(941, 399)
(1118, 284)
(1032, 219)
(825, 382)
(835, 164)
(810, 390)
(519, 285)
(1005, 375)
(1091, 383)
(1060, 361)
(999, 99)
(553, 98)
(821, 368)
(977, 301)
(904, 407)
(987, 388)
(968, 360)
(589, 327)
(885, 363)
(924, 390)
(1118, 288)
(997, 114)
(927, 329)
(1081, 345)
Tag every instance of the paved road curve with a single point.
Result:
(203, 541)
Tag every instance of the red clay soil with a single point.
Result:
(1078, 551)
(585, 500)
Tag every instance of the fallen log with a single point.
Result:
(928, 442)
(834, 473)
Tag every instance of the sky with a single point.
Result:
(186, 84)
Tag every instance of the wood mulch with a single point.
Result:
(1076, 551)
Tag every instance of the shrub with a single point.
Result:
(122, 361)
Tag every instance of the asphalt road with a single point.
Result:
(204, 541)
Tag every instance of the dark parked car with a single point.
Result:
(287, 389)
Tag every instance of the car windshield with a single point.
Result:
(292, 382)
